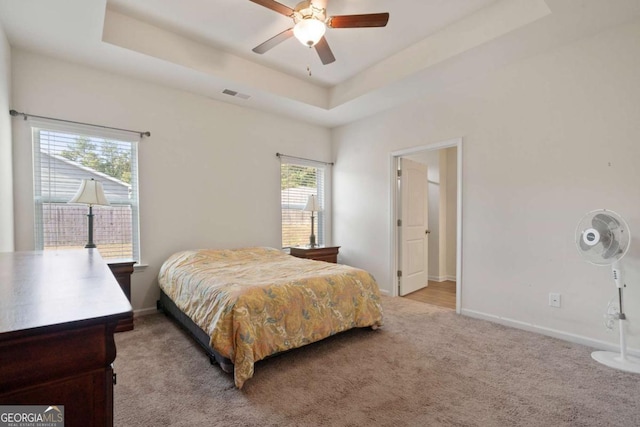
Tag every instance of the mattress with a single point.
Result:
(257, 302)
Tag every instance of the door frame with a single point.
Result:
(393, 208)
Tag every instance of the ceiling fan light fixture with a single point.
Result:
(309, 31)
(310, 22)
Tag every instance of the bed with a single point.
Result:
(243, 305)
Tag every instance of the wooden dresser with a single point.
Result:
(58, 313)
(319, 253)
(122, 270)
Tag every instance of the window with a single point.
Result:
(298, 180)
(63, 156)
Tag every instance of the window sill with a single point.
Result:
(140, 267)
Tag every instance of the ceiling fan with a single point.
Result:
(311, 22)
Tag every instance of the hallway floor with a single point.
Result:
(442, 294)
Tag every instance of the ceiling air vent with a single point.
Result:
(236, 94)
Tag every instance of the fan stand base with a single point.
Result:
(613, 360)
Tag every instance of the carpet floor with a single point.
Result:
(426, 367)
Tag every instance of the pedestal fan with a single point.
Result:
(603, 238)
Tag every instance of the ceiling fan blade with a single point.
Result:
(324, 51)
(273, 41)
(275, 6)
(358, 21)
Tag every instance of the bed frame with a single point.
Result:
(170, 309)
(166, 305)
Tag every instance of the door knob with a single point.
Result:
(427, 231)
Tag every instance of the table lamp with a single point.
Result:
(90, 193)
(312, 206)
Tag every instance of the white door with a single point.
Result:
(414, 233)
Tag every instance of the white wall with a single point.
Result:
(545, 140)
(443, 213)
(6, 157)
(451, 197)
(209, 175)
(433, 188)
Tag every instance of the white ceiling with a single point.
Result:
(237, 26)
(204, 46)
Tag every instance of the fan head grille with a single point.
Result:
(602, 237)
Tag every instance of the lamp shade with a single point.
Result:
(312, 204)
(90, 193)
(309, 31)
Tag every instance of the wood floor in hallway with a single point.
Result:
(442, 294)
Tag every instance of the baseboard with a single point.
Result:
(385, 292)
(566, 336)
(442, 278)
(144, 311)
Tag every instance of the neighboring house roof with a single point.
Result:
(67, 174)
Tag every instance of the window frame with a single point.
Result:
(37, 125)
(323, 218)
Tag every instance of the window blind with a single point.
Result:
(299, 180)
(63, 156)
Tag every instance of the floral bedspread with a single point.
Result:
(256, 302)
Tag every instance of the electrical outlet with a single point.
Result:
(554, 300)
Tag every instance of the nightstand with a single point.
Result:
(319, 253)
(122, 270)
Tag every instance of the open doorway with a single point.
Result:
(426, 228)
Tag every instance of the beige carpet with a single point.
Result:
(426, 367)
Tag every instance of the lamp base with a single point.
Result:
(90, 243)
(614, 360)
(312, 236)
